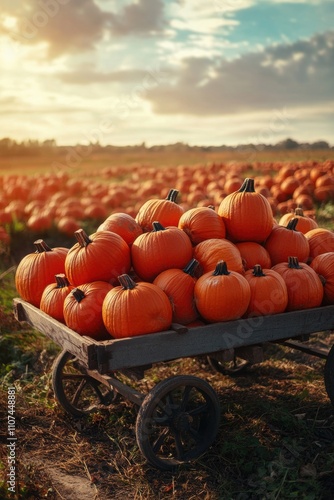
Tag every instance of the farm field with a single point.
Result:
(276, 434)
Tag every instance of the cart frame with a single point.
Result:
(179, 418)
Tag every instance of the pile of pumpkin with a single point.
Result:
(138, 275)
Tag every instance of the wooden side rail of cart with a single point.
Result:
(179, 418)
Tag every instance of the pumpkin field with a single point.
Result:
(127, 244)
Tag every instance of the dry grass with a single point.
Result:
(161, 159)
(275, 440)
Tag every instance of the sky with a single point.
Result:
(204, 72)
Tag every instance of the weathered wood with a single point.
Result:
(82, 347)
(128, 392)
(168, 345)
(118, 354)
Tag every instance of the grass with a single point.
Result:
(275, 439)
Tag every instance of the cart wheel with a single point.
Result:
(231, 368)
(329, 375)
(177, 421)
(78, 393)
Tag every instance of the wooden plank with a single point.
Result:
(125, 390)
(118, 354)
(82, 347)
(165, 346)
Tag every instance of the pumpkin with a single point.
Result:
(160, 249)
(304, 286)
(202, 223)
(269, 293)
(222, 295)
(83, 309)
(39, 222)
(166, 211)
(124, 225)
(133, 309)
(101, 256)
(285, 241)
(37, 270)
(305, 223)
(320, 240)
(52, 300)
(247, 214)
(67, 225)
(209, 252)
(323, 265)
(253, 253)
(178, 285)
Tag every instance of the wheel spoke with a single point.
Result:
(179, 446)
(78, 392)
(161, 420)
(185, 397)
(195, 434)
(199, 410)
(160, 440)
(95, 386)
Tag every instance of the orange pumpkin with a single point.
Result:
(37, 270)
(323, 265)
(160, 249)
(247, 214)
(320, 240)
(209, 252)
(124, 225)
(269, 293)
(166, 211)
(178, 285)
(133, 309)
(305, 223)
(285, 241)
(101, 256)
(304, 286)
(52, 300)
(253, 253)
(202, 223)
(221, 295)
(83, 309)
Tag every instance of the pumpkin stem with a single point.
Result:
(172, 195)
(157, 226)
(292, 224)
(191, 267)
(221, 268)
(78, 294)
(61, 280)
(82, 238)
(257, 271)
(211, 206)
(247, 186)
(293, 263)
(299, 211)
(127, 282)
(41, 246)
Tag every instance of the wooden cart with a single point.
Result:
(179, 418)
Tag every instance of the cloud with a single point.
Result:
(73, 26)
(87, 76)
(282, 75)
(141, 17)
